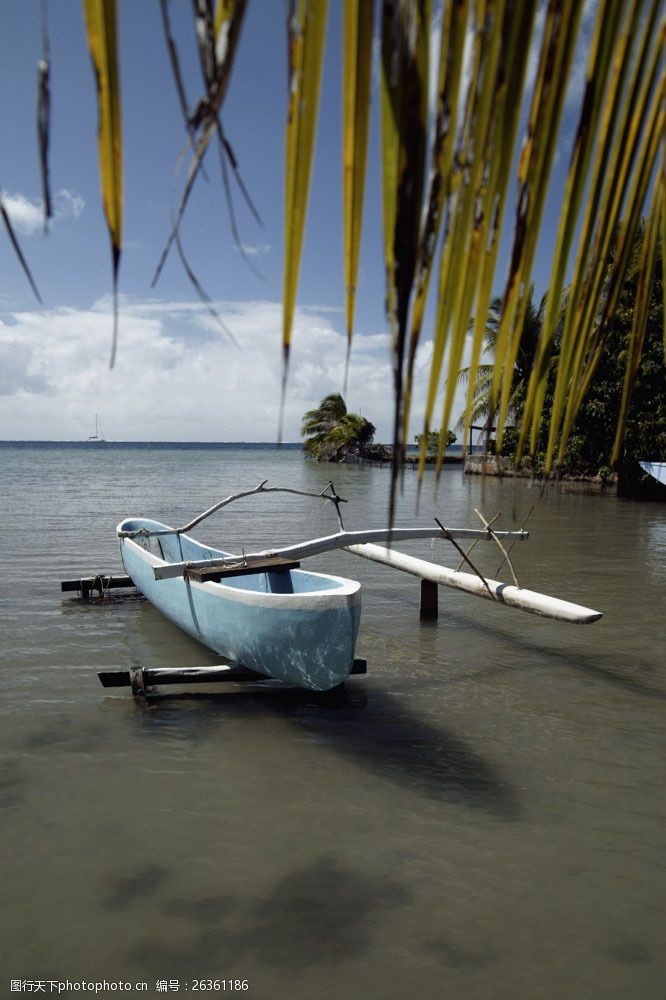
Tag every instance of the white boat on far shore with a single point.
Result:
(655, 469)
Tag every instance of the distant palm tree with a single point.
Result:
(317, 424)
(529, 339)
(331, 431)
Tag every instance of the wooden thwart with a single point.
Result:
(275, 565)
(142, 679)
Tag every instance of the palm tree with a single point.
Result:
(331, 431)
(318, 423)
(529, 340)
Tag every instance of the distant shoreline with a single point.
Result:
(211, 445)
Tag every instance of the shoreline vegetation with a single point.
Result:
(333, 434)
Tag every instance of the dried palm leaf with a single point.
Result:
(17, 249)
(44, 117)
(217, 37)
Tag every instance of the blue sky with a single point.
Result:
(177, 376)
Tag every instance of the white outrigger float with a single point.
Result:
(261, 611)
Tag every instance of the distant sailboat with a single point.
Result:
(99, 434)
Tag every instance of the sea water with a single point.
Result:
(483, 817)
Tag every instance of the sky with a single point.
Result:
(178, 375)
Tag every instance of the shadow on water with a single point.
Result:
(594, 667)
(129, 889)
(322, 913)
(374, 731)
(13, 784)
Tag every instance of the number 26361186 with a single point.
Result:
(223, 985)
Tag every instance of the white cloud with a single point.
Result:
(67, 204)
(177, 377)
(169, 383)
(255, 249)
(27, 214)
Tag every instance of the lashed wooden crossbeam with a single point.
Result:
(341, 539)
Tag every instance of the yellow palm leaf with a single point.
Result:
(307, 31)
(452, 45)
(404, 118)
(358, 21)
(640, 317)
(536, 160)
(100, 20)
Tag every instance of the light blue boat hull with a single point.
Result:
(295, 626)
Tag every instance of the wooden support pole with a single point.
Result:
(137, 682)
(100, 583)
(141, 678)
(428, 610)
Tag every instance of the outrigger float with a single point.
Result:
(268, 618)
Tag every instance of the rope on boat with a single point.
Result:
(449, 537)
(526, 519)
(502, 549)
(475, 542)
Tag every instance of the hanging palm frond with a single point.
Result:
(468, 142)
(511, 73)
(622, 124)
(358, 22)
(469, 230)
(101, 28)
(405, 37)
(217, 39)
(626, 183)
(307, 31)
(557, 49)
(449, 78)
(44, 117)
(17, 248)
(644, 285)
(604, 43)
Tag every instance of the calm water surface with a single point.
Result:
(484, 818)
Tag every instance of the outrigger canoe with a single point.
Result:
(287, 623)
(261, 611)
